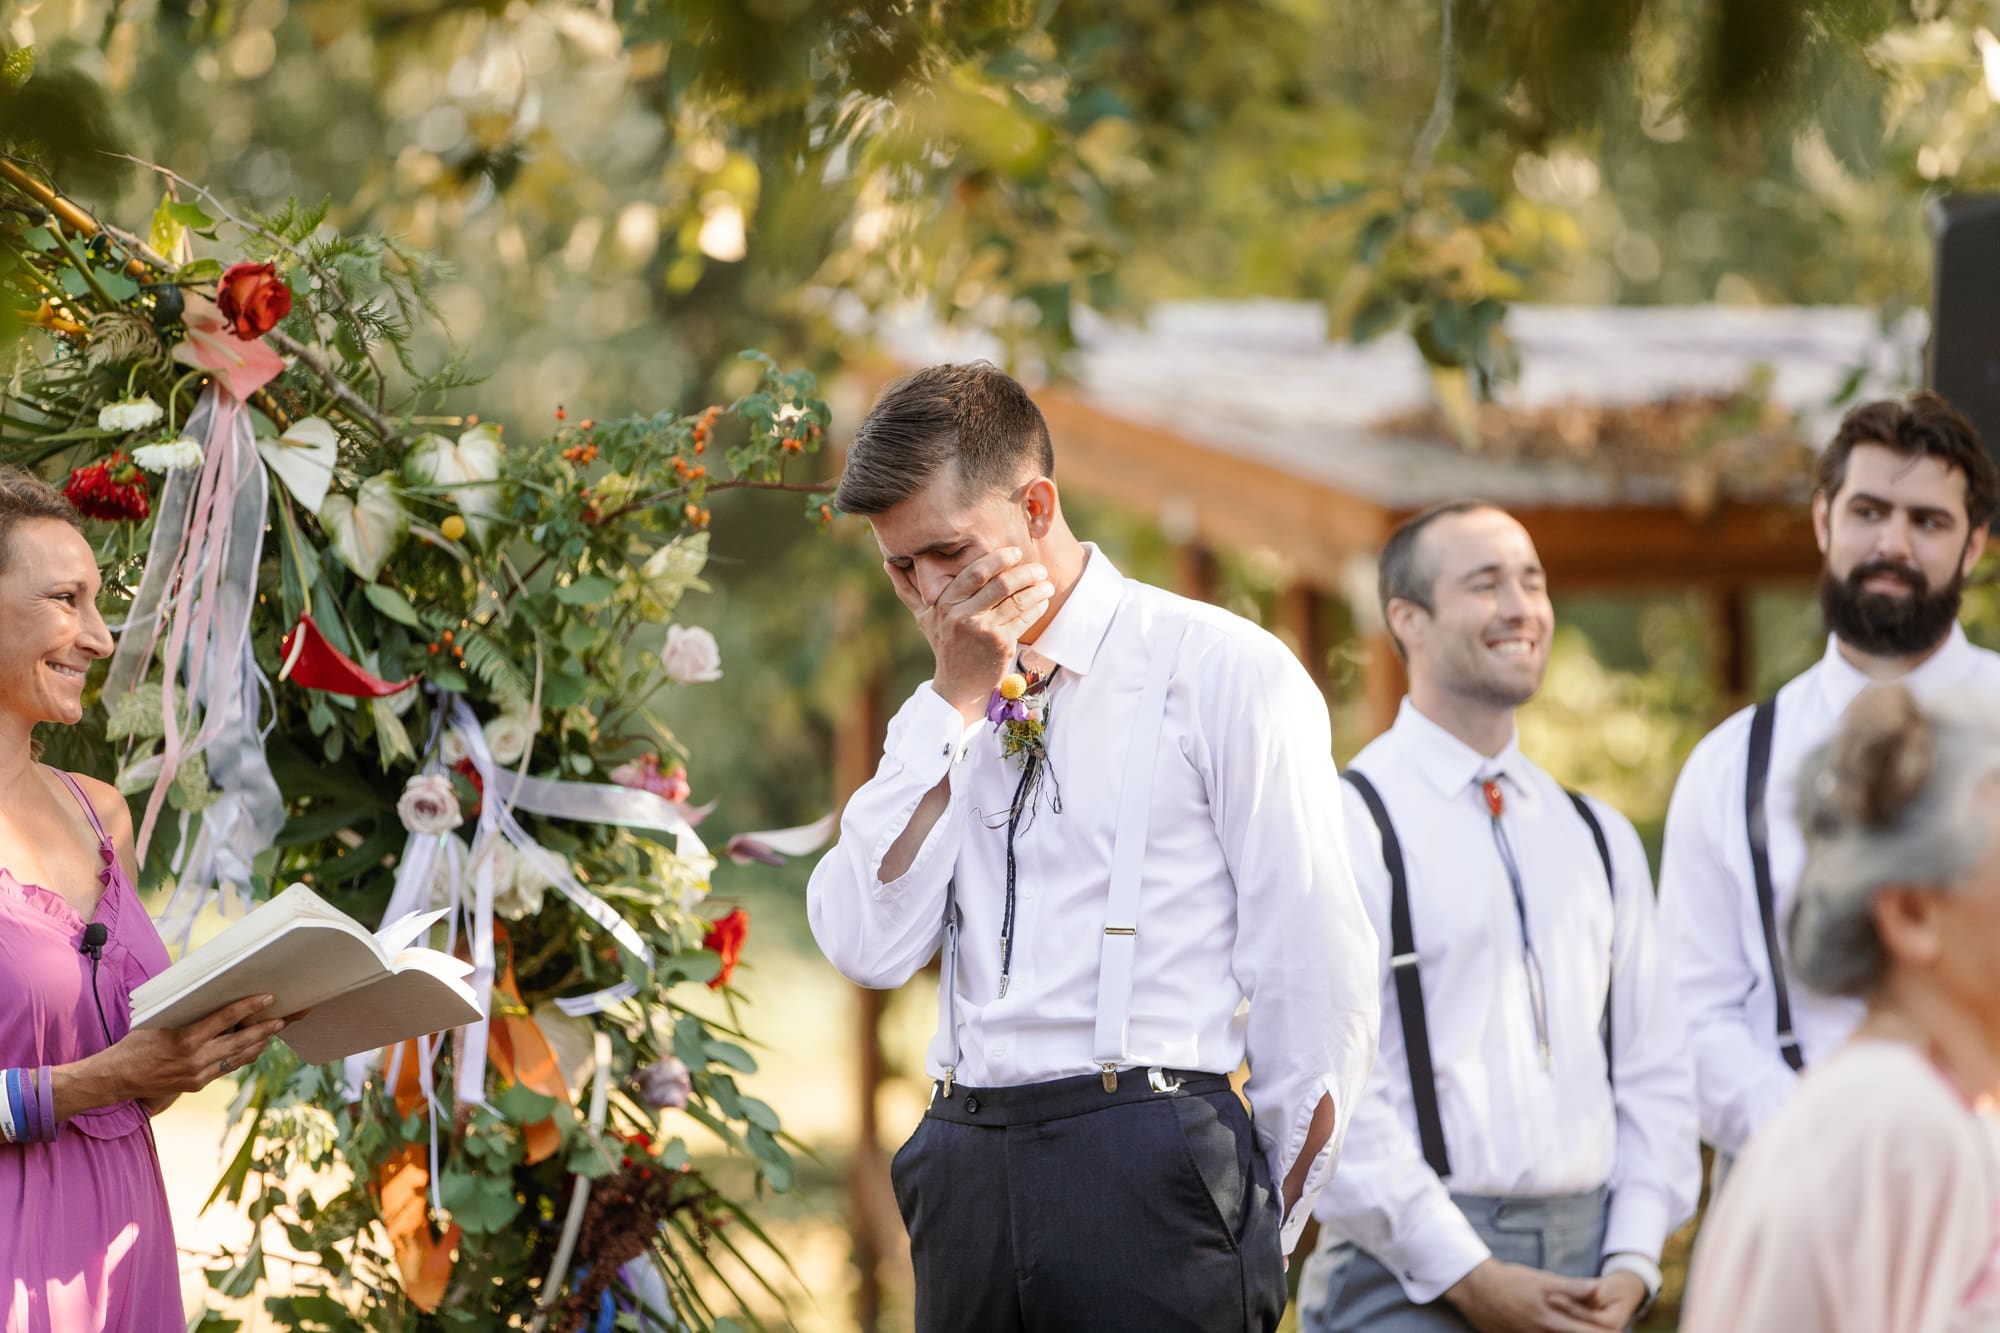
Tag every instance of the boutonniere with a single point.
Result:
(1019, 711)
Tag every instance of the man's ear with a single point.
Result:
(1403, 618)
(1975, 546)
(1822, 517)
(1038, 500)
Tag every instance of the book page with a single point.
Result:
(306, 964)
(426, 996)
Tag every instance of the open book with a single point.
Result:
(365, 990)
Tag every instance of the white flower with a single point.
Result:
(518, 888)
(179, 455)
(429, 804)
(468, 472)
(685, 874)
(368, 528)
(507, 736)
(451, 748)
(129, 414)
(691, 654)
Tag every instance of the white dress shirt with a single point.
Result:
(1713, 935)
(1511, 1125)
(1251, 939)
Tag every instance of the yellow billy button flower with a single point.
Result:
(1013, 685)
(453, 528)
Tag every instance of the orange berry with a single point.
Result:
(561, 415)
(587, 423)
(447, 636)
(434, 650)
(700, 447)
(472, 419)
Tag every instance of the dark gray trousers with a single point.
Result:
(1344, 1290)
(1058, 1208)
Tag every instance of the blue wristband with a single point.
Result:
(24, 1123)
(33, 1101)
(9, 1126)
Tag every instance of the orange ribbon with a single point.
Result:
(520, 1053)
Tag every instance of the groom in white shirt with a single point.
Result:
(1105, 810)
(1527, 1140)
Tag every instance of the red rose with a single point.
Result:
(112, 490)
(253, 298)
(726, 938)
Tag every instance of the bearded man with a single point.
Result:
(1905, 492)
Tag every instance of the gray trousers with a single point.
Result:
(1343, 1290)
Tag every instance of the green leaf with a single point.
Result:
(761, 1114)
(590, 590)
(523, 1105)
(1375, 237)
(116, 285)
(38, 238)
(1374, 318)
(201, 270)
(392, 604)
(578, 635)
(18, 67)
(171, 220)
(730, 1054)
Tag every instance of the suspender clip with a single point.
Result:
(1404, 960)
(949, 1072)
(1157, 1079)
(1111, 1078)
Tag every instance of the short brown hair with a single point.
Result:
(25, 498)
(972, 414)
(1400, 575)
(1923, 425)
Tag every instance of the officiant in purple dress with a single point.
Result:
(87, 1245)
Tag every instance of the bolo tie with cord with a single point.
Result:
(1021, 714)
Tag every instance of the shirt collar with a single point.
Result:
(1953, 664)
(1449, 763)
(1072, 639)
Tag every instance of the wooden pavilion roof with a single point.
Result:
(1641, 446)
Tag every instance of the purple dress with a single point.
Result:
(86, 1242)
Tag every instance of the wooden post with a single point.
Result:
(1198, 574)
(1731, 627)
(1301, 625)
(874, 1222)
(1382, 680)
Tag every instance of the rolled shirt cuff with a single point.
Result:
(1637, 1221)
(1433, 1254)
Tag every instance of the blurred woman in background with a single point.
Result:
(1871, 1203)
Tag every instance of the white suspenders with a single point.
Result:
(1128, 856)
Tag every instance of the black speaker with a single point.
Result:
(1963, 361)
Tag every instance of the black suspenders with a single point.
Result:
(1409, 987)
(1763, 721)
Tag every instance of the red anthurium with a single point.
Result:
(726, 938)
(310, 661)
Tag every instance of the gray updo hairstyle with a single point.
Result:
(1892, 800)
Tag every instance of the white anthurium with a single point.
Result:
(468, 472)
(303, 457)
(367, 529)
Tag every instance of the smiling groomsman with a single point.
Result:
(1527, 1139)
(1904, 493)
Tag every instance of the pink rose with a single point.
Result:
(691, 655)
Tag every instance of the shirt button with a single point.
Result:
(947, 748)
(971, 1104)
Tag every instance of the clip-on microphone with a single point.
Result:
(94, 936)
